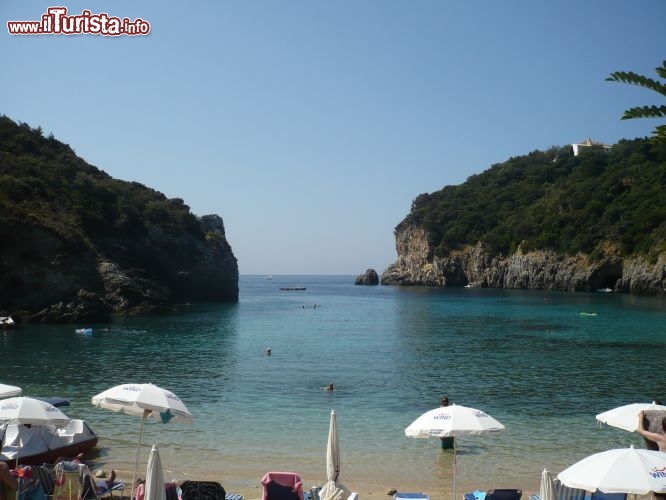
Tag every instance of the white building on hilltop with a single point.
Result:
(587, 144)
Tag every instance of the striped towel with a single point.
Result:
(46, 476)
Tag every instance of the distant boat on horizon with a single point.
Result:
(269, 277)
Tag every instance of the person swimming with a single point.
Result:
(330, 387)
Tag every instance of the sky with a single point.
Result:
(310, 126)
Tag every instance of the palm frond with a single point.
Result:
(644, 112)
(661, 70)
(636, 79)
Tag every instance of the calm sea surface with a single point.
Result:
(529, 359)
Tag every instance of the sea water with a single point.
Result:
(529, 359)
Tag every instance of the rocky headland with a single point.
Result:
(545, 221)
(535, 270)
(80, 246)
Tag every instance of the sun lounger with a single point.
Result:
(504, 494)
(29, 486)
(561, 492)
(202, 490)
(598, 495)
(46, 476)
(495, 494)
(281, 486)
(475, 495)
(74, 481)
(410, 496)
(104, 490)
(234, 496)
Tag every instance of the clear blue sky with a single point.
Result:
(310, 126)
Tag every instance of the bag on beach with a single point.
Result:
(202, 490)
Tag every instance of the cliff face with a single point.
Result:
(50, 277)
(79, 246)
(537, 270)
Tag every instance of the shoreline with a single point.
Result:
(247, 481)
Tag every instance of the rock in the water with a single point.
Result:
(369, 278)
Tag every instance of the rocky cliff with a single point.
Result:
(534, 270)
(52, 277)
(548, 220)
(80, 246)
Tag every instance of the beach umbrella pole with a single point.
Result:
(138, 453)
(455, 471)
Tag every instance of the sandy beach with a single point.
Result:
(369, 484)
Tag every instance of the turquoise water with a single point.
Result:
(529, 359)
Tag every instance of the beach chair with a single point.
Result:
(476, 495)
(282, 486)
(504, 494)
(410, 496)
(598, 495)
(74, 481)
(561, 492)
(202, 490)
(29, 485)
(46, 476)
(102, 489)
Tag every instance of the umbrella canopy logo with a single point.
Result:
(658, 472)
(131, 388)
(9, 405)
(446, 416)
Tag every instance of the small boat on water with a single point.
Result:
(38, 444)
(6, 322)
(9, 391)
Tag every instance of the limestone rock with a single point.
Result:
(370, 277)
(537, 270)
(60, 278)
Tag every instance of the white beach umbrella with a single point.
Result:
(145, 401)
(24, 410)
(626, 417)
(29, 411)
(454, 420)
(8, 391)
(155, 489)
(333, 490)
(624, 470)
(547, 488)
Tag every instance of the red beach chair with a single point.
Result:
(282, 486)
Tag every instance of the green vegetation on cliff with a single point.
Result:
(69, 228)
(600, 202)
(42, 178)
